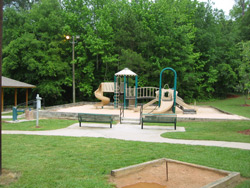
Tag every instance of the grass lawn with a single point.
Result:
(220, 131)
(50, 161)
(231, 105)
(44, 124)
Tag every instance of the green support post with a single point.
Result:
(124, 94)
(136, 86)
(115, 94)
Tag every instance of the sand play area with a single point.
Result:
(203, 112)
(166, 173)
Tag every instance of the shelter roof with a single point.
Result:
(125, 72)
(10, 83)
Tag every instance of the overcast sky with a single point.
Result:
(225, 5)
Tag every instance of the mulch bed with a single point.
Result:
(245, 105)
(247, 132)
(232, 96)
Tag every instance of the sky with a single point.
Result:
(225, 5)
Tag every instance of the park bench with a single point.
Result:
(96, 118)
(159, 118)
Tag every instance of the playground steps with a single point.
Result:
(189, 111)
(186, 111)
(125, 120)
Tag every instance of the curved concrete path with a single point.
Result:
(130, 132)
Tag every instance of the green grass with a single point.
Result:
(231, 105)
(50, 161)
(44, 124)
(245, 184)
(219, 131)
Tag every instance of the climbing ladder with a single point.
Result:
(116, 95)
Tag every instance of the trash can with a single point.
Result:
(29, 114)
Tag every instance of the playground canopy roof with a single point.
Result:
(10, 83)
(125, 72)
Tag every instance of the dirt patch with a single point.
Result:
(178, 175)
(247, 132)
(8, 177)
(232, 96)
(245, 105)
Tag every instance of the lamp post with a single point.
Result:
(1, 37)
(73, 64)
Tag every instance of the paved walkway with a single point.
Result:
(129, 132)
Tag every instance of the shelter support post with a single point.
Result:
(2, 99)
(27, 97)
(15, 97)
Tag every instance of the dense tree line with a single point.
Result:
(209, 51)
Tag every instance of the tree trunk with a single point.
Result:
(1, 32)
(242, 2)
(97, 62)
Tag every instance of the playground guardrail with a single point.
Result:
(142, 92)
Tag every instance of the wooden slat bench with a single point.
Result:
(95, 118)
(159, 118)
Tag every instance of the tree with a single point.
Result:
(20, 4)
(239, 8)
(36, 54)
(144, 35)
(215, 42)
(1, 37)
(244, 69)
(245, 26)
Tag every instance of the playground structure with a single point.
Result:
(104, 87)
(123, 91)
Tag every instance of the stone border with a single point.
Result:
(62, 115)
(78, 104)
(192, 119)
(50, 112)
(69, 105)
(230, 181)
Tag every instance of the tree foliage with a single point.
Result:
(146, 36)
(244, 69)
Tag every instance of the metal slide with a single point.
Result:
(99, 95)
